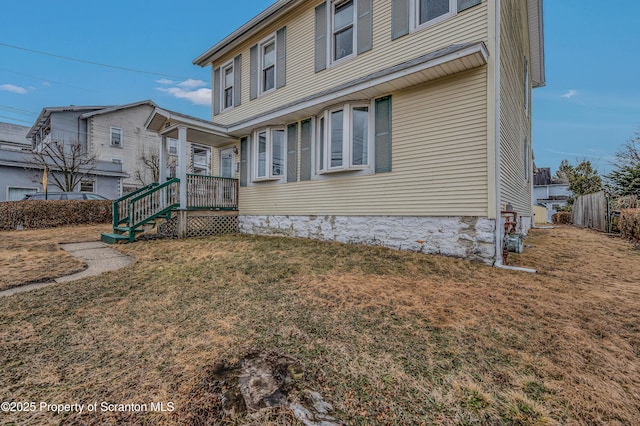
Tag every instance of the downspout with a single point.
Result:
(498, 206)
(498, 231)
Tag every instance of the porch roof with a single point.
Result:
(166, 123)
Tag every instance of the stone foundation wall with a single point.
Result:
(465, 237)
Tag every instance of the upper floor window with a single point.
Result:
(343, 22)
(268, 65)
(227, 86)
(431, 11)
(116, 137)
(269, 154)
(343, 29)
(343, 139)
(412, 15)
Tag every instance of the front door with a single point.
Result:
(227, 163)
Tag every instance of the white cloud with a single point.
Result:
(201, 96)
(570, 94)
(165, 81)
(192, 84)
(14, 89)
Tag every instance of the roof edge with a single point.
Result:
(260, 21)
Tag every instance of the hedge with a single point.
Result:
(630, 224)
(33, 214)
(561, 218)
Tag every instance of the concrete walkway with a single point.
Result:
(98, 256)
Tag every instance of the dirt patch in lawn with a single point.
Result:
(385, 337)
(35, 256)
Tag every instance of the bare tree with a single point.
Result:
(67, 163)
(149, 163)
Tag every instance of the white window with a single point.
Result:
(343, 18)
(269, 154)
(344, 139)
(116, 160)
(173, 146)
(227, 86)
(227, 163)
(429, 12)
(87, 186)
(267, 78)
(200, 160)
(116, 137)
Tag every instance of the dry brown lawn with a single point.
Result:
(34, 255)
(387, 337)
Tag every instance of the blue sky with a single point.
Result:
(590, 106)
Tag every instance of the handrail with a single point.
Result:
(154, 202)
(117, 216)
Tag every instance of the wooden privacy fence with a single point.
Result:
(591, 211)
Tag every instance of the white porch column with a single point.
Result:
(182, 165)
(162, 177)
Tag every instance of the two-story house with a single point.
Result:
(115, 134)
(403, 123)
(21, 175)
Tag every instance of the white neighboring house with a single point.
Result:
(19, 176)
(550, 192)
(114, 134)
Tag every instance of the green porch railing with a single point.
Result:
(121, 206)
(157, 201)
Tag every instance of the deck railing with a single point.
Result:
(212, 192)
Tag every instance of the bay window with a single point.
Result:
(343, 139)
(269, 154)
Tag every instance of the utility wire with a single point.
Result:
(91, 62)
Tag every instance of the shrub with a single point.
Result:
(32, 214)
(562, 218)
(630, 224)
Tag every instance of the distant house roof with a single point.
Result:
(114, 108)
(14, 134)
(542, 176)
(46, 113)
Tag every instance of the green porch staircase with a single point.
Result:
(142, 208)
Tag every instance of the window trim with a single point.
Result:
(322, 147)
(271, 39)
(223, 87)
(254, 159)
(116, 130)
(331, 32)
(86, 182)
(222, 151)
(207, 168)
(414, 15)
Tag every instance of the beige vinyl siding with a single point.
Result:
(439, 162)
(302, 81)
(515, 125)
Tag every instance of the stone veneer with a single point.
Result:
(465, 237)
